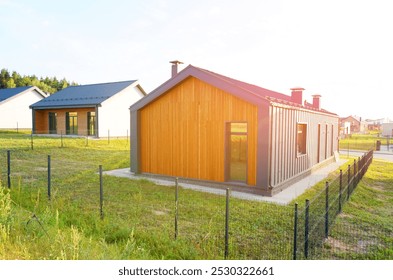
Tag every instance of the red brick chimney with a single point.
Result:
(316, 101)
(174, 67)
(297, 95)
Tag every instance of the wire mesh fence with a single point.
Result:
(176, 222)
(315, 220)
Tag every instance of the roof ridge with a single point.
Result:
(107, 83)
(243, 85)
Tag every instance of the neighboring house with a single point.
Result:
(387, 129)
(98, 110)
(223, 132)
(356, 124)
(376, 124)
(14, 106)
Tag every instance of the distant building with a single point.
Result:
(14, 106)
(387, 129)
(98, 110)
(376, 124)
(356, 125)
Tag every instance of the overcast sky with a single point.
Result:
(340, 49)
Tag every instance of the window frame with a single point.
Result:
(301, 149)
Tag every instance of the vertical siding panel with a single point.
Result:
(273, 146)
(182, 132)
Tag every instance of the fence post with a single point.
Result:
(101, 194)
(61, 138)
(327, 209)
(306, 224)
(226, 224)
(340, 192)
(31, 141)
(355, 179)
(176, 206)
(295, 232)
(49, 178)
(349, 181)
(9, 168)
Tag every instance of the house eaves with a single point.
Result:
(16, 92)
(250, 93)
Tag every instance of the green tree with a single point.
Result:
(49, 85)
(10, 83)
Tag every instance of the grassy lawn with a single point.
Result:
(138, 215)
(361, 142)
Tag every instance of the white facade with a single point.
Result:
(114, 113)
(387, 129)
(15, 112)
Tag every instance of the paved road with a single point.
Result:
(384, 155)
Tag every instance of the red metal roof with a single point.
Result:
(270, 95)
(246, 91)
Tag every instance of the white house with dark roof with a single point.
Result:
(14, 106)
(98, 110)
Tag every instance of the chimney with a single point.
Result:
(174, 67)
(297, 95)
(316, 101)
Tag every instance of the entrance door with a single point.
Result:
(72, 123)
(237, 152)
(52, 123)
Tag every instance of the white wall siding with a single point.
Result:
(285, 163)
(114, 113)
(15, 111)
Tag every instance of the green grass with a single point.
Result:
(138, 215)
(367, 217)
(361, 142)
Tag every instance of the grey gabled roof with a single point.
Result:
(11, 92)
(82, 96)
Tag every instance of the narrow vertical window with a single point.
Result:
(301, 140)
(52, 123)
(237, 152)
(326, 140)
(332, 142)
(91, 123)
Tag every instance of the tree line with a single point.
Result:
(48, 85)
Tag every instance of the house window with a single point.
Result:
(301, 140)
(52, 123)
(237, 152)
(72, 123)
(91, 123)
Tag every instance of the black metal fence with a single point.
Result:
(314, 220)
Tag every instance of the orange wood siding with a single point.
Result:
(42, 120)
(182, 133)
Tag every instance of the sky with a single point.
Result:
(340, 49)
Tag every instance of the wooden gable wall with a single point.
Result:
(183, 132)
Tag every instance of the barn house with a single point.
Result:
(96, 110)
(14, 106)
(205, 127)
